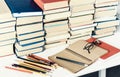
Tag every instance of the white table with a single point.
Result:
(99, 65)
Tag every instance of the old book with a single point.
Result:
(89, 22)
(80, 18)
(81, 2)
(7, 36)
(6, 50)
(105, 30)
(28, 20)
(80, 8)
(30, 8)
(80, 31)
(102, 3)
(7, 42)
(7, 29)
(84, 26)
(51, 4)
(86, 12)
(56, 16)
(22, 29)
(7, 24)
(103, 35)
(76, 52)
(109, 11)
(107, 24)
(5, 13)
(63, 9)
(51, 34)
(31, 41)
(56, 38)
(32, 46)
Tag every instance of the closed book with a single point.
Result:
(81, 31)
(29, 51)
(84, 26)
(107, 24)
(7, 42)
(7, 29)
(109, 11)
(81, 2)
(30, 35)
(56, 16)
(57, 10)
(57, 38)
(7, 24)
(103, 35)
(27, 42)
(22, 29)
(6, 50)
(51, 34)
(80, 8)
(89, 22)
(105, 30)
(7, 36)
(80, 18)
(105, 3)
(106, 18)
(51, 4)
(80, 13)
(28, 20)
(5, 12)
(33, 46)
(22, 8)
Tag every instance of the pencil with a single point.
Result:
(19, 69)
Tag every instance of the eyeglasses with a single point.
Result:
(90, 45)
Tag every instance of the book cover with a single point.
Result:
(51, 4)
(111, 49)
(23, 8)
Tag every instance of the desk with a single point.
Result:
(99, 65)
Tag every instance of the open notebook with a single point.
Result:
(76, 52)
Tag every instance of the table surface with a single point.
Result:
(96, 66)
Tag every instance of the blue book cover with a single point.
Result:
(21, 8)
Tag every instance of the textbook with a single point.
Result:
(22, 8)
(51, 4)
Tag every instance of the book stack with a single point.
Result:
(106, 18)
(56, 13)
(81, 21)
(7, 30)
(29, 26)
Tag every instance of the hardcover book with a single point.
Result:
(23, 8)
(51, 4)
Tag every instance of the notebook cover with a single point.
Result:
(18, 7)
(111, 49)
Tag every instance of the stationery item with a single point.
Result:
(40, 59)
(19, 69)
(76, 52)
(28, 68)
(111, 49)
(70, 60)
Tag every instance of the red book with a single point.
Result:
(111, 49)
(51, 4)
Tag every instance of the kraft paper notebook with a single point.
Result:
(76, 52)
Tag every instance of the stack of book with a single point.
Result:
(7, 30)
(29, 26)
(81, 21)
(56, 13)
(106, 17)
